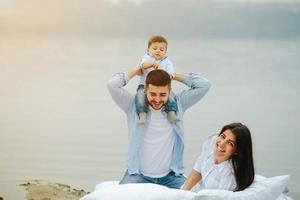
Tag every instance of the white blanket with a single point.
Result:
(262, 189)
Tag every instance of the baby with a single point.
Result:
(155, 58)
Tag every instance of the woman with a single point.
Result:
(226, 161)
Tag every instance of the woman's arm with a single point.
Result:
(193, 178)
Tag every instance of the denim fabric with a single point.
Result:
(170, 180)
(171, 104)
(140, 100)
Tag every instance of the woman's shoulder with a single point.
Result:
(210, 140)
(209, 143)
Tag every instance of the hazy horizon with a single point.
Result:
(206, 18)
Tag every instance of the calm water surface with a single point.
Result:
(58, 122)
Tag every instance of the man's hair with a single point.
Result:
(157, 38)
(158, 77)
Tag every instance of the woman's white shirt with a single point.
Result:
(214, 176)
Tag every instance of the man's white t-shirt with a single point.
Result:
(157, 148)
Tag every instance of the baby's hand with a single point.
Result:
(155, 65)
(147, 65)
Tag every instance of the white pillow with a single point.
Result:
(138, 191)
(261, 189)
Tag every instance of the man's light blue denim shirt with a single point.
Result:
(198, 88)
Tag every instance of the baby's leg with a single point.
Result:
(140, 104)
(171, 109)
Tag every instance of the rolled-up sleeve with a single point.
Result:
(121, 96)
(199, 86)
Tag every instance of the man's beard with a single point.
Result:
(151, 103)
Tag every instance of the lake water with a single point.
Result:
(59, 123)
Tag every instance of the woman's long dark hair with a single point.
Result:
(242, 161)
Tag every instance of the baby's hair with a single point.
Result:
(157, 38)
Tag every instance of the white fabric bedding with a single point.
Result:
(262, 189)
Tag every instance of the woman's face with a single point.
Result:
(225, 146)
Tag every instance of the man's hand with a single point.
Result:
(179, 77)
(133, 72)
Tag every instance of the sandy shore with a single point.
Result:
(44, 190)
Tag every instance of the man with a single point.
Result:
(155, 153)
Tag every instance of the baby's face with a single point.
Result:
(158, 50)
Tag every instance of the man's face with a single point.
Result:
(157, 95)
